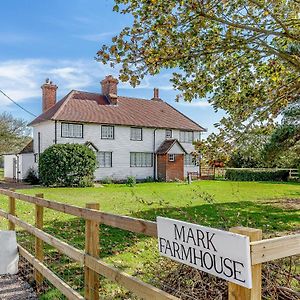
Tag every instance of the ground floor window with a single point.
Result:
(141, 159)
(104, 159)
(171, 157)
(190, 160)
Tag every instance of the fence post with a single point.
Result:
(236, 292)
(39, 244)
(11, 211)
(91, 278)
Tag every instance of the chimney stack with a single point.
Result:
(156, 95)
(110, 89)
(48, 95)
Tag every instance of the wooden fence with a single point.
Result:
(261, 250)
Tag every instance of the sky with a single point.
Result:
(58, 40)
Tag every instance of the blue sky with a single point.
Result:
(58, 40)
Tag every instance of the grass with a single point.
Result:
(270, 206)
(1, 174)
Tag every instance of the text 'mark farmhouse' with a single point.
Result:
(131, 136)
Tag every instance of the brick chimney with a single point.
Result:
(156, 95)
(49, 94)
(110, 89)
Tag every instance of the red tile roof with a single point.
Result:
(87, 107)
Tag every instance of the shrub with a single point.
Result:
(67, 165)
(256, 175)
(107, 180)
(131, 181)
(32, 177)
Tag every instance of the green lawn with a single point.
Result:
(273, 207)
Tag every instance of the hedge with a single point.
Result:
(67, 165)
(256, 175)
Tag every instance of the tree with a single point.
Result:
(14, 134)
(244, 56)
(67, 165)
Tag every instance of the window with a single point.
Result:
(168, 133)
(36, 157)
(107, 132)
(141, 159)
(171, 157)
(69, 130)
(104, 159)
(136, 134)
(189, 160)
(197, 136)
(186, 136)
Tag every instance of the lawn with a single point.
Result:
(273, 207)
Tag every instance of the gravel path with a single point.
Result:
(12, 287)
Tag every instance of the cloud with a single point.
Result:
(96, 37)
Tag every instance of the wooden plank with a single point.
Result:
(275, 248)
(63, 247)
(92, 248)
(127, 223)
(54, 279)
(39, 245)
(140, 288)
(237, 292)
(11, 210)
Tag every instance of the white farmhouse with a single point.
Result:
(131, 137)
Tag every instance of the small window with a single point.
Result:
(107, 132)
(186, 136)
(36, 157)
(171, 157)
(104, 159)
(70, 130)
(136, 134)
(190, 160)
(168, 133)
(141, 159)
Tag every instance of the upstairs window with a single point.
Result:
(168, 133)
(171, 157)
(107, 132)
(197, 136)
(190, 160)
(136, 134)
(104, 159)
(186, 136)
(71, 130)
(141, 159)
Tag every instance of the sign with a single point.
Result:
(220, 253)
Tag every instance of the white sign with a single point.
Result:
(221, 253)
(9, 256)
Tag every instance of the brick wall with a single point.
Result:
(170, 170)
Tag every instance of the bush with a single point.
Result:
(31, 176)
(256, 175)
(131, 181)
(67, 165)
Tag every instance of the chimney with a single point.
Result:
(49, 94)
(110, 89)
(156, 95)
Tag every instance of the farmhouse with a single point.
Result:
(131, 136)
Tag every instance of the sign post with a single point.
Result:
(217, 252)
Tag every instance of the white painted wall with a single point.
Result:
(8, 165)
(26, 161)
(120, 147)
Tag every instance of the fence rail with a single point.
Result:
(261, 250)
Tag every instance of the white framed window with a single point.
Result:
(168, 133)
(190, 160)
(104, 159)
(171, 157)
(107, 132)
(136, 134)
(186, 136)
(141, 159)
(71, 130)
(197, 136)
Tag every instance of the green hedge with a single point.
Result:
(67, 165)
(259, 175)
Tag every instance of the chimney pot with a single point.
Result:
(48, 95)
(110, 88)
